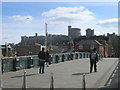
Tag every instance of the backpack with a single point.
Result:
(93, 55)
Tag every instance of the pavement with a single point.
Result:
(67, 74)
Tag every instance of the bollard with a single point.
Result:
(83, 83)
(24, 81)
(52, 82)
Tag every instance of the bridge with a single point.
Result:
(66, 74)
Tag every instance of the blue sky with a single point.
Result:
(37, 8)
(27, 18)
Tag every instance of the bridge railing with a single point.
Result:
(25, 62)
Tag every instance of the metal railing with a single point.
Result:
(25, 62)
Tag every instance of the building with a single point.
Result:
(113, 35)
(51, 39)
(25, 40)
(7, 50)
(87, 45)
(89, 32)
(101, 43)
(114, 40)
(25, 50)
(74, 32)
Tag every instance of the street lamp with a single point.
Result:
(46, 36)
(0, 68)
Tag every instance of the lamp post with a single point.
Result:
(0, 68)
(6, 47)
(46, 36)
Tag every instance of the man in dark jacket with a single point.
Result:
(41, 56)
(93, 60)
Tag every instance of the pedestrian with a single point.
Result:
(93, 60)
(47, 59)
(41, 56)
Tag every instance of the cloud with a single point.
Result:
(108, 22)
(69, 15)
(23, 19)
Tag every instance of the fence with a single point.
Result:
(25, 62)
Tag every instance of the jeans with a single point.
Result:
(93, 63)
(42, 66)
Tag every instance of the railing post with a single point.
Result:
(15, 64)
(51, 60)
(52, 82)
(76, 56)
(83, 83)
(71, 56)
(63, 58)
(80, 55)
(67, 57)
(57, 59)
(24, 81)
(30, 62)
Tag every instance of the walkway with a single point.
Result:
(66, 75)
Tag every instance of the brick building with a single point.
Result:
(24, 50)
(103, 47)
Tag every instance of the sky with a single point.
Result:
(60, 0)
(27, 18)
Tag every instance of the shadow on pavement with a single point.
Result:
(81, 73)
(23, 75)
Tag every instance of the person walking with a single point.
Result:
(47, 58)
(41, 56)
(93, 60)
